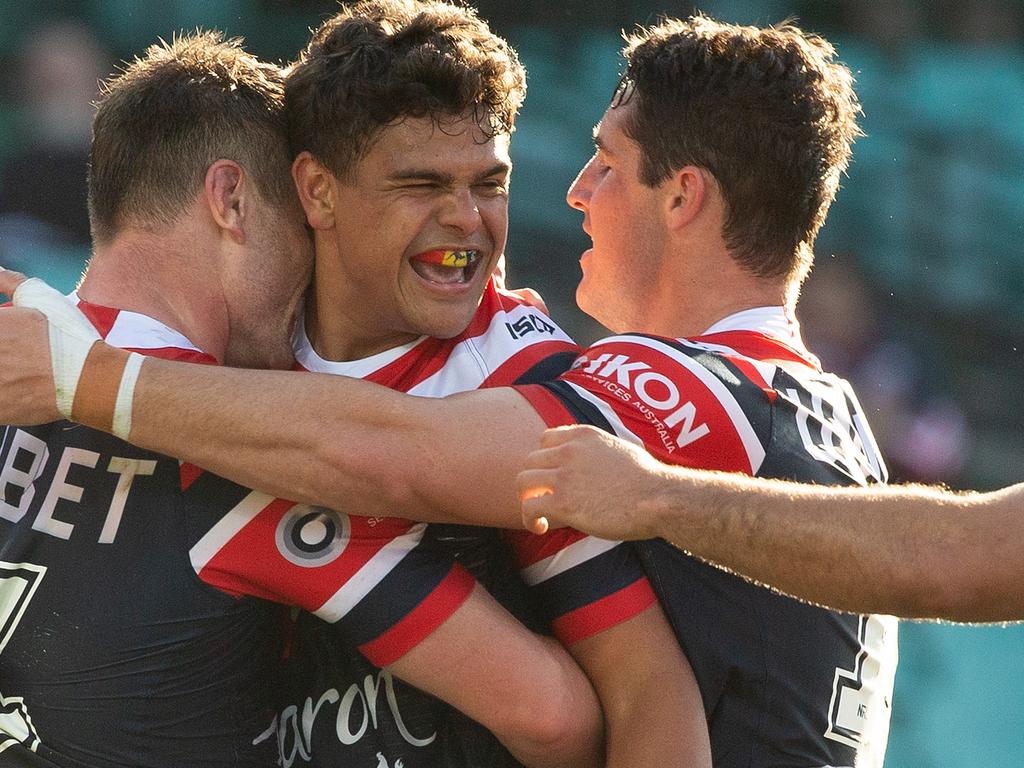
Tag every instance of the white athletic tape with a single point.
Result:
(71, 337)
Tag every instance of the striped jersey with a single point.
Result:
(784, 683)
(382, 585)
(112, 651)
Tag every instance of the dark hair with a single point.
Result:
(379, 61)
(768, 112)
(169, 115)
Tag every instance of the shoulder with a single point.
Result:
(515, 341)
(687, 405)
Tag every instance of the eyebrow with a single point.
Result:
(426, 174)
(600, 143)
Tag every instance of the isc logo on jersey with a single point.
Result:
(311, 537)
(657, 397)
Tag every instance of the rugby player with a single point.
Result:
(716, 163)
(894, 543)
(425, 160)
(113, 652)
(401, 113)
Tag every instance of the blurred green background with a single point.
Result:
(920, 267)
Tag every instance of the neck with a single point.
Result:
(166, 276)
(338, 323)
(697, 292)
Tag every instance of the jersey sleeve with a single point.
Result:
(684, 405)
(379, 580)
(583, 585)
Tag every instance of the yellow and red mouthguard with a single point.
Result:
(446, 258)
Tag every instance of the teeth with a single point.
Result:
(448, 258)
(444, 266)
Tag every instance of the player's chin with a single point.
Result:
(448, 321)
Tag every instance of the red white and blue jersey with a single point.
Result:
(784, 683)
(346, 710)
(112, 651)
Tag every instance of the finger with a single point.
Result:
(534, 519)
(534, 492)
(535, 482)
(10, 280)
(544, 458)
(532, 298)
(556, 436)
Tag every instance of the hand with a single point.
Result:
(528, 295)
(592, 481)
(27, 393)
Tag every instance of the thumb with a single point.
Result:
(10, 280)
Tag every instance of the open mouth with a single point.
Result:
(446, 267)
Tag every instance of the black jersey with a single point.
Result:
(112, 651)
(784, 683)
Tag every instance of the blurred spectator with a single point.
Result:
(920, 428)
(42, 184)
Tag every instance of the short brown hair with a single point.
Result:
(768, 112)
(379, 61)
(169, 115)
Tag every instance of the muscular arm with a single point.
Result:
(342, 443)
(910, 551)
(653, 710)
(524, 688)
(317, 439)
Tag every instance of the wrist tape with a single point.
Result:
(103, 397)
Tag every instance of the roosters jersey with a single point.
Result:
(345, 710)
(784, 683)
(112, 652)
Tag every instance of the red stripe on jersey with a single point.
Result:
(547, 405)
(419, 363)
(530, 548)
(188, 473)
(422, 620)
(102, 318)
(696, 430)
(589, 620)
(251, 563)
(751, 372)
(759, 346)
(509, 371)
(174, 353)
(431, 355)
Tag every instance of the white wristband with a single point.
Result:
(122, 424)
(71, 337)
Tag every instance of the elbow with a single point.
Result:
(559, 728)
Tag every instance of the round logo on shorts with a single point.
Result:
(312, 537)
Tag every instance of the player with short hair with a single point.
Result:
(696, 262)
(113, 653)
(401, 113)
(423, 183)
(182, 277)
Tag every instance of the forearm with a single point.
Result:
(906, 550)
(286, 434)
(653, 710)
(341, 443)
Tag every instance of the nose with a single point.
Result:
(460, 211)
(579, 191)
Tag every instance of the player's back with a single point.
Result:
(112, 652)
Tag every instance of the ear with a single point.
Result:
(224, 190)
(686, 195)
(315, 185)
